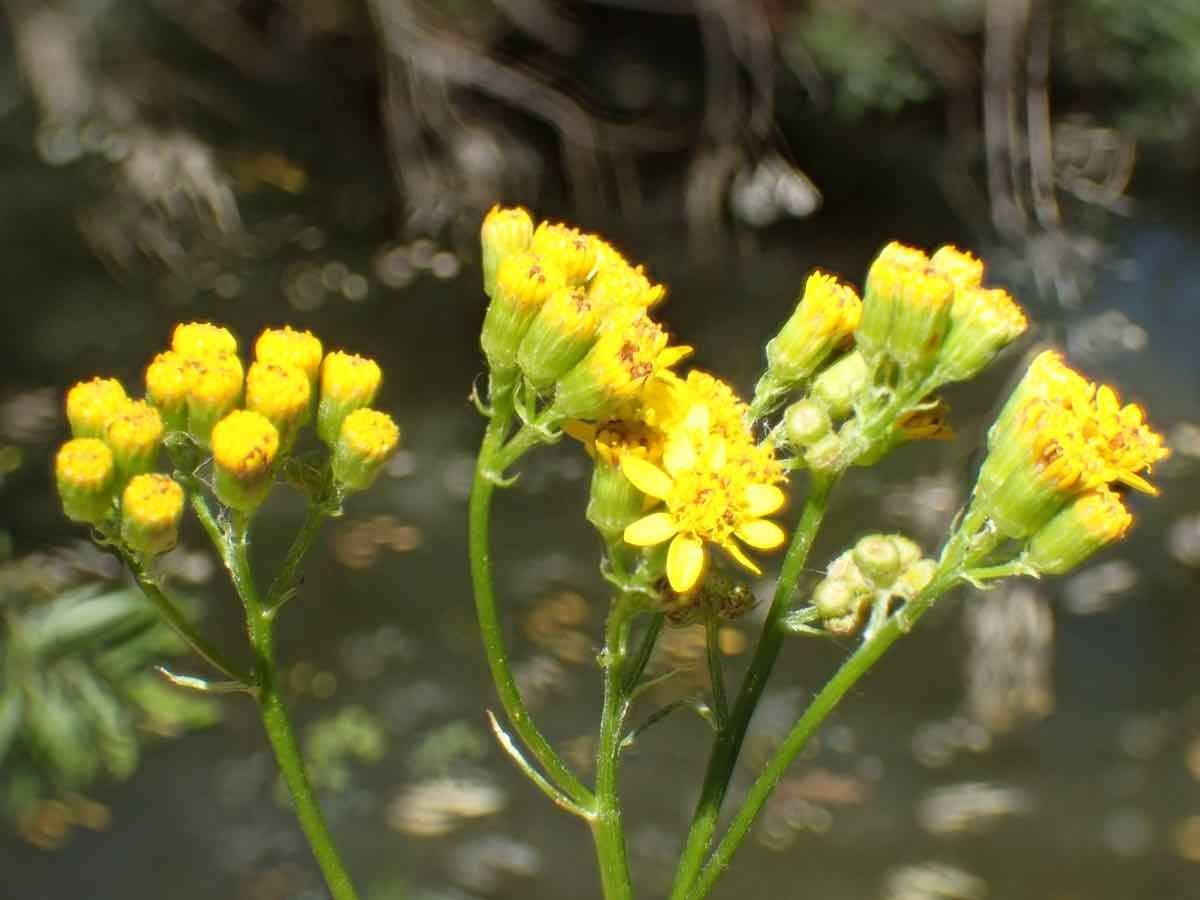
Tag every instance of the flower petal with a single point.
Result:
(647, 477)
(761, 534)
(736, 552)
(650, 530)
(763, 499)
(685, 562)
(679, 455)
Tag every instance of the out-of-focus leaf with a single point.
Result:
(10, 719)
(58, 735)
(84, 619)
(168, 710)
(113, 731)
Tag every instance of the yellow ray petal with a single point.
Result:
(736, 552)
(679, 454)
(647, 477)
(650, 530)
(763, 499)
(685, 562)
(761, 534)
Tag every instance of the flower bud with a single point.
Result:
(617, 283)
(288, 347)
(841, 384)
(613, 502)
(134, 436)
(914, 578)
(1093, 520)
(368, 437)
(348, 382)
(824, 454)
(960, 268)
(823, 320)
(281, 393)
(523, 283)
(86, 478)
(244, 445)
(563, 330)
(906, 310)
(565, 249)
(839, 604)
(505, 231)
(907, 548)
(982, 323)
(805, 423)
(878, 558)
(167, 388)
(90, 404)
(151, 507)
(214, 390)
(199, 339)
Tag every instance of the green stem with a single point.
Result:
(716, 673)
(285, 579)
(641, 657)
(607, 832)
(179, 623)
(492, 461)
(729, 740)
(260, 622)
(965, 545)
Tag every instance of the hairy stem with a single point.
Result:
(607, 830)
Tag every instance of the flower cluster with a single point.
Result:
(677, 464)
(199, 397)
(878, 569)
(1058, 456)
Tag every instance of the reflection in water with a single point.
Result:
(973, 806)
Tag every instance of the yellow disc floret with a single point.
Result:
(134, 435)
(961, 268)
(566, 249)
(167, 388)
(245, 445)
(86, 476)
(198, 339)
(151, 507)
(90, 404)
(367, 438)
(282, 394)
(214, 389)
(287, 347)
(348, 382)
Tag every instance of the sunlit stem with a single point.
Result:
(607, 831)
(260, 622)
(716, 673)
(729, 739)
(967, 545)
(494, 458)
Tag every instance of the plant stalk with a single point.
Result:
(607, 831)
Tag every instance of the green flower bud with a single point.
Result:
(244, 445)
(560, 335)
(86, 478)
(151, 508)
(1091, 522)
(841, 384)
(878, 558)
(613, 502)
(134, 435)
(805, 423)
(348, 382)
(367, 439)
(523, 283)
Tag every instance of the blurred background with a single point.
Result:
(326, 163)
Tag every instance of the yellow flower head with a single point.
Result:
(368, 437)
(244, 445)
(566, 249)
(528, 280)
(710, 495)
(824, 319)
(198, 339)
(134, 435)
(85, 474)
(1094, 520)
(151, 508)
(505, 231)
(617, 283)
(281, 393)
(906, 307)
(563, 330)
(167, 388)
(348, 382)
(90, 404)
(287, 347)
(961, 268)
(214, 388)
(982, 322)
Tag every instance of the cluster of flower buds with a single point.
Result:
(199, 395)
(1060, 455)
(866, 370)
(877, 570)
(568, 315)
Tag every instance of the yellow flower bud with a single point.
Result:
(151, 507)
(982, 323)
(244, 445)
(348, 382)
(86, 478)
(214, 390)
(617, 283)
(904, 290)
(167, 388)
(281, 393)
(90, 404)
(1092, 521)
(197, 339)
(960, 268)
(523, 283)
(505, 231)
(134, 436)
(825, 317)
(566, 249)
(288, 347)
(367, 438)
(561, 333)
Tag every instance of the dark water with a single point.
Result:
(1090, 802)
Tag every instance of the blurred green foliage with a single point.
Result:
(333, 744)
(78, 694)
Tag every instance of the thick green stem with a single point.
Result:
(966, 544)
(492, 461)
(729, 740)
(260, 622)
(607, 831)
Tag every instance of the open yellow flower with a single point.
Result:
(711, 496)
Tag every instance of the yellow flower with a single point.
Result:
(348, 382)
(282, 394)
(982, 323)
(566, 249)
(167, 388)
(198, 339)
(244, 445)
(505, 231)
(524, 281)
(367, 438)
(90, 404)
(214, 389)
(563, 330)
(151, 507)
(906, 308)
(85, 475)
(962, 269)
(134, 435)
(709, 498)
(824, 319)
(1094, 520)
(617, 283)
(287, 347)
